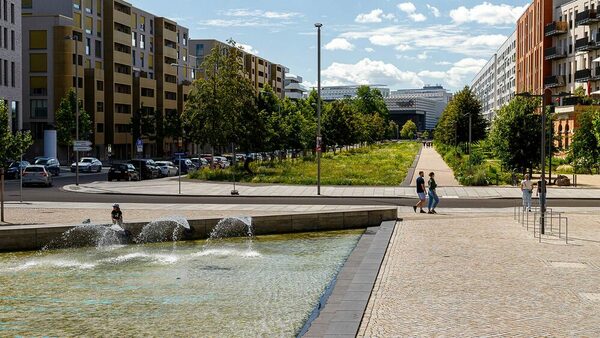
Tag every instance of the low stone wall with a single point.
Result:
(34, 237)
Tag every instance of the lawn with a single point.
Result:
(376, 165)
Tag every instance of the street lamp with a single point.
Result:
(542, 187)
(318, 26)
(76, 85)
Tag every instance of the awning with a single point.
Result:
(596, 59)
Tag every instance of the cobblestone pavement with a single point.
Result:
(485, 275)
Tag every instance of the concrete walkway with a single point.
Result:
(169, 186)
(431, 161)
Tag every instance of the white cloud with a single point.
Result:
(402, 48)
(411, 10)
(250, 18)
(434, 11)
(487, 13)
(422, 56)
(339, 44)
(369, 50)
(260, 13)
(458, 75)
(443, 63)
(374, 16)
(367, 71)
(247, 48)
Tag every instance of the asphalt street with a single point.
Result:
(56, 194)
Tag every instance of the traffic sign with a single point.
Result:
(82, 143)
(86, 148)
(139, 145)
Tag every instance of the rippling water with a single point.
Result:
(224, 288)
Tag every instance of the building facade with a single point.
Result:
(260, 71)
(122, 60)
(293, 87)
(423, 111)
(495, 84)
(332, 93)
(10, 61)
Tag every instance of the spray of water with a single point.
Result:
(96, 235)
(233, 227)
(163, 229)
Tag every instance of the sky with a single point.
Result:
(395, 43)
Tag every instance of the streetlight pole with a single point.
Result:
(318, 26)
(76, 85)
(543, 164)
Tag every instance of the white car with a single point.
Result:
(37, 174)
(167, 168)
(222, 162)
(89, 164)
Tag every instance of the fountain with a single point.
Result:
(88, 234)
(164, 229)
(233, 227)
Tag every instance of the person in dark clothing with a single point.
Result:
(117, 215)
(420, 192)
(433, 197)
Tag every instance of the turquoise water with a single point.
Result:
(266, 287)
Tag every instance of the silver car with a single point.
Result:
(37, 174)
(89, 164)
(167, 168)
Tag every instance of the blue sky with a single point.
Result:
(397, 43)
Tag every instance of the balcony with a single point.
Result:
(554, 53)
(556, 28)
(583, 75)
(586, 17)
(585, 45)
(554, 81)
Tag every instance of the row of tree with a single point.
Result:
(223, 108)
(12, 143)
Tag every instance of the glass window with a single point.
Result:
(88, 6)
(89, 24)
(77, 4)
(88, 46)
(38, 85)
(39, 109)
(133, 39)
(77, 19)
(142, 41)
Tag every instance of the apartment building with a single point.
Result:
(293, 87)
(422, 105)
(331, 93)
(10, 61)
(495, 84)
(126, 60)
(260, 71)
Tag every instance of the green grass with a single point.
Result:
(375, 165)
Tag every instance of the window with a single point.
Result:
(170, 78)
(98, 49)
(99, 8)
(133, 39)
(99, 28)
(38, 85)
(100, 86)
(142, 41)
(12, 13)
(142, 23)
(99, 126)
(170, 44)
(100, 107)
(150, 61)
(77, 20)
(89, 24)
(27, 4)
(5, 11)
(151, 26)
(38, 39)
(122, 89)
(12, 74)
(98, 65)
(123, 108)
(39, 109)
(88, 6)
(142, 59)
(38, 62)
(79, 59)
(88, 46)
(77, 4)
(123, 69)
(1, 72)
(5, 38)
(171, 96)
(133, 57)
(122, 28)
(12, 39)
(147, 92)
(79, 82)
(122, 48)
(122, 128)
(185, 39)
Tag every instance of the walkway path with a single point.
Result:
(430, 161)
(443, 276)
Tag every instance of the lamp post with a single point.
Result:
(318, 26)
(542, 187)
(76, 85)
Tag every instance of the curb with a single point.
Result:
(411, 171)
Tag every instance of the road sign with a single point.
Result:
(77, 148)
(139, 145)
(82, 143)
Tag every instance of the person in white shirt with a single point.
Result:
(527, 189)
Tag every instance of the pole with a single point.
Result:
(76, 108)
(180, 174)
(318, 25)
(21, 177)
(470, 137)
(542, 186)
(2, 194)
(550, 141)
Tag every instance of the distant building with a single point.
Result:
(422, 105)
(331, 93)
(495, 84)
(10, 62)
(293, 87)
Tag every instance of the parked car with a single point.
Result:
(37, 174)
(147, 168)
(15, 169)
(186, 166)
(123, 171)
(89, 164)
(167, 168)
(222, 162)
(50, 163)
(200, 162)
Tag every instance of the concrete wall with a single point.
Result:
(34, 237)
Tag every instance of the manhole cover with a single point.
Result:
(594, 296)
(569, 265)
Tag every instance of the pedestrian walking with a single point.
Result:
(527, 189)
(433, 197)
(420, 193)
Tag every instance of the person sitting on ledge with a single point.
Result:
(117, 215)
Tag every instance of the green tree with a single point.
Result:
(65, 120)
(596, 124)
(515, 134)
(425, 135)
(453, 126)
(409, 130)
(585, 149)
(12, 145)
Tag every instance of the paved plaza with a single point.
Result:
(443, 276)
(431, 161)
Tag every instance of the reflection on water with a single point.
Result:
(192, 289)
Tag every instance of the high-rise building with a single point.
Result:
(126, 60)
(495, 83)
(331, 93)
(260, 71)
(423, 106)
(10, 61)
(293, 87)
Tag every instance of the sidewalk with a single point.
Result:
(431, 161)
(169, 186)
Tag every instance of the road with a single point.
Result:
(56, 194)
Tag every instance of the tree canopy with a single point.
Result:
(585, 149)
(453, 126)
(409, 130)
(65, 120)
(12, 144)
